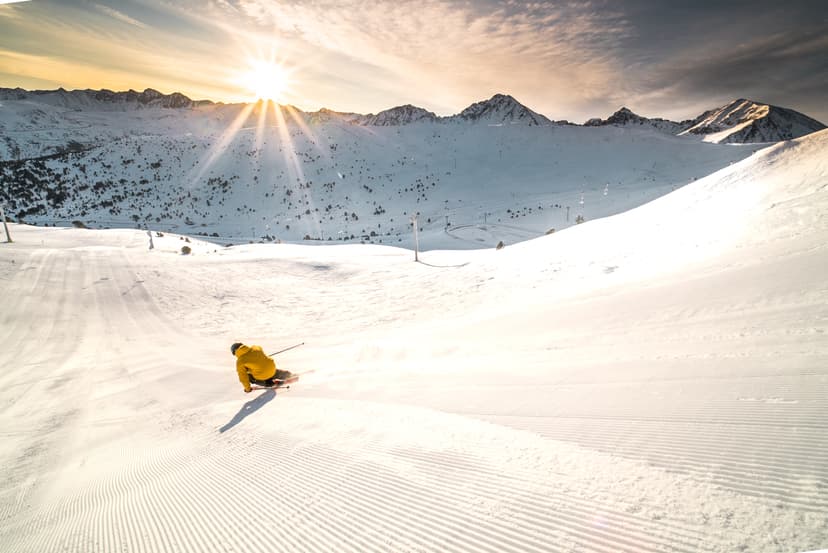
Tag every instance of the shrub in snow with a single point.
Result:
(550, 231)
(500, 245)
(185, 250)
(579, 219)
(79, 224)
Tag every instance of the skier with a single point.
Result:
(254, 366)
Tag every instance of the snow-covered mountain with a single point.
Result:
(625, 117)
(744, 121)
(501, 109)
(236, 172)
(401, 115)
(326, 115)
(102, 99)
(739, 122)
(264, 172)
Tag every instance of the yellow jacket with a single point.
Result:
(253, 361)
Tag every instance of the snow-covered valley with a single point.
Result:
(265, 173)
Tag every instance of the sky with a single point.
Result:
(572, 60)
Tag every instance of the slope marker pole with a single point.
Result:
(5, 226)
(416, 242)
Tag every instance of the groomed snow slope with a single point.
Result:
(654, 381)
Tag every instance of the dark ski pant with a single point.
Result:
(274, 380)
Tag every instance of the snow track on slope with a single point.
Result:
(675, 407)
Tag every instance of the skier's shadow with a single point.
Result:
(248, 409)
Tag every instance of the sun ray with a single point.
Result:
(288, 147)
(268, 79)
(220, 146)
(297, 118)
(293, 164)
(261, 124)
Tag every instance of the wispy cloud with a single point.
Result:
(781, 68)
(77, 47)
(569, 59)
(458, 51)
(119, 16)
(61, 72)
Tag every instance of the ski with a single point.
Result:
(284, 382)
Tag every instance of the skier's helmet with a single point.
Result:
(234, 347)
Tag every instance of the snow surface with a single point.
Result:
(652, 381)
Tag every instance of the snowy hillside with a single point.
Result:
(744, 121)
(240, 173)
(495, 172)
(654, 381)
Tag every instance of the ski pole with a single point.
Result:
(284, 350)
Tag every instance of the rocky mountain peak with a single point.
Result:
(626, 117)
(502, 109)
(748, 121)
(400, 115)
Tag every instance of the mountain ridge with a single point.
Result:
(626, 117)
(746, 121)
(739, 121)
(501, 108)
(149, 97)
(399, 115)
(232, 173)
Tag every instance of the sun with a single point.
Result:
(266, 80)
